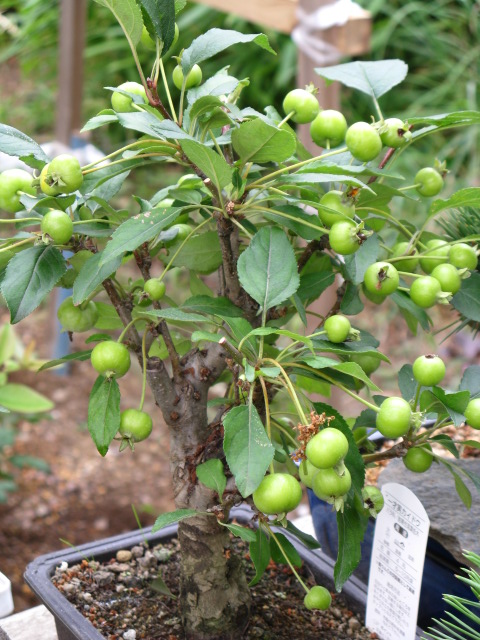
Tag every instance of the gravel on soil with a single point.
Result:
(120, 599)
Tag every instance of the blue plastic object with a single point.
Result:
(438, 573)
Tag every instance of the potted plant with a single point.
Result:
(276, 226)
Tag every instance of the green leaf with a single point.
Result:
(8, 343)
(355, 371)
(267, 269)
(159, 586)
(372, 78)
(201, 253)
(290, 551)
(409, 308)
(240, 328)
(351, 531)
(466, 301)
(366, 344)
(220, 306)
(445, 441)
(358, 263)
(332, 168)
(92, 274)
(240, 532)
(309, 541)
(108, 318)
(161, 14)
(447, 119)
(267, 331)
(165, 519)
(461, 488)
(79, 355)
(21, 399)
(30, 461)
(128, 16)
(137, 230)
(406, 382)
(247, 448)
(312, 285)
(198, 336)
(216, 40)
(177, 315)
(151, 125)
(469, 197)
(455, 403)
(30, 276)
(15, 143)
(351, 304)
(213, 165)
(309, 231)
(212, 475)
(104, 412)
(260, 555)
(257, 141)
(471, 381)
(99, 121)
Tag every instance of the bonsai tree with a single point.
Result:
(229, 264)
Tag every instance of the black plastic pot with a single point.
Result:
(71, 625)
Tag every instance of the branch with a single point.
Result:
(397, 451)
(143, 261)
(311, 248)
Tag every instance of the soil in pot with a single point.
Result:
(121, 598)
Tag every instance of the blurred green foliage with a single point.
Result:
(439, 39)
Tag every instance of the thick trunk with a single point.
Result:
(214, 595)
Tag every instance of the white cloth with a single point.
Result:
(305, 34)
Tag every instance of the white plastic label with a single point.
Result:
(396, 567)
(6, 602)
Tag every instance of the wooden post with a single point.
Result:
(352, 38)
(70, 72)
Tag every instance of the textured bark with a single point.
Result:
(214, 597)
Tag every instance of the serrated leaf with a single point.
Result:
(220, 306)
(358, 263)
(21, 399)
(79, 355)
(30, 276)
(165, 519)
(277, 556)
(447, 119)
(372, 78)
(260, 555)
(128, 16)
(406, 382)
(267, 269)
(151, 125)
(407, 306)
(213, 165)
(355, 371)
(137, 230)
(201, 253)
(216, 40)
(92, 274)
(312, 285)
(104, 412)
(176, 315)
(309, 541)
(240, 532)
(455, 403)
(212, 475)
(309, 231)
(351, 531)
(467, 300)
(257, 141)
(247, 448)
(161, 14)
(15, 143)
(471, 381)
(469, 197)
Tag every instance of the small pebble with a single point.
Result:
(354, 624)
(131, 634)
(124, 555)
(87, 597)
(103, 577)
(137, 551)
